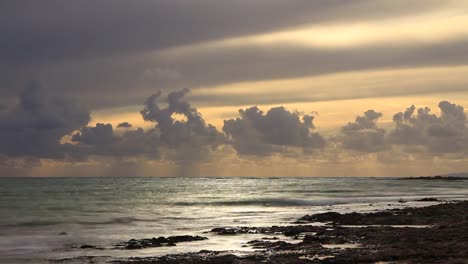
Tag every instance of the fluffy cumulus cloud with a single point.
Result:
(188, 138)
(258, 133)
(446, 133)
(416, 130)
(36, 124)
(175, 133)
(363, 134)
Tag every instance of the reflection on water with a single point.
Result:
(51, 217)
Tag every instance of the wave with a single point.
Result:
(285, 202)
(273, 202)
(116, 220)
(34, 223)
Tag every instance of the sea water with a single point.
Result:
(43, 219)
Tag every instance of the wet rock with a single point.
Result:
(445, 241)
(157, 242)
(406, 216)
(263, 244)
(90, 247)
(430, 199)
(273, 230)
(323, 217)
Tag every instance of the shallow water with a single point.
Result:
(48, 218)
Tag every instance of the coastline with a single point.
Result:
(431, 234)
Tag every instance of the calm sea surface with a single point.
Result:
(49, 218)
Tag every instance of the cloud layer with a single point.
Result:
(37, 127)
(89, 50)
(264, 57)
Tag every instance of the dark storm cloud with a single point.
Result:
(256, 133)
(446, 133)
(363, 134)
(37, 123)
(39, 31)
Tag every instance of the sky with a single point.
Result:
(233, 88)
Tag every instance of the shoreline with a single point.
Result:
(431, 234)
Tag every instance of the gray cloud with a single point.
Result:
(118, 75)
(70, 50)
(175, 133)
(446, 133)
(102, 140)
(363, 134)
(257, 133)
(36, 124)
(184, 139)
(416, 130)
(101, 134)
(34, 128)
(55, 30)
(124, 125)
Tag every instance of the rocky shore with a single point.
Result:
(432, 234)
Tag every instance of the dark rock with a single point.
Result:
(446, 241)
(323, 217)
(430, 199)
(157, 242)
(90, 247)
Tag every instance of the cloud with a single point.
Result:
(43, 128)
(89, 50)
(88, 29)
(101, 140)
(256, 133)
(446, 133)
(124, 125)
(94, 80)
(161, 74)
(101, 134)
(175, 133)
(36, 124)
(363, 134)
(169, 139)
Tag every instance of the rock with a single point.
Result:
(323, 217)
(430, 199)
(157, 242)
(445, 241)
(89, 247)
(225, 231)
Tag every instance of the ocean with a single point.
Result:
(45, 219)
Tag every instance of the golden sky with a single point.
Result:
(328, 60)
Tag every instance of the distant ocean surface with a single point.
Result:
(50, 218)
